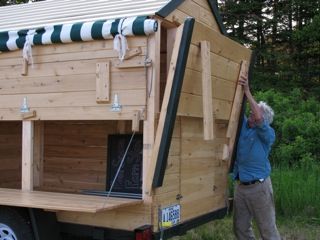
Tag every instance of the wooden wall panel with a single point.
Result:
(75, 154)
(203, 173)
(225, 58)
(10, 154)
(198, 9)
(64, 76)
(167, 194)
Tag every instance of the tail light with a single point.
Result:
(144, 233)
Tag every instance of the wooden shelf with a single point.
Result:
(62, 201)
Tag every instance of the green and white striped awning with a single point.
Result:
(84, 31)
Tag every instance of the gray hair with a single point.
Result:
(268, 113)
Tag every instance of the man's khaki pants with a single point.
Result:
(254, 202)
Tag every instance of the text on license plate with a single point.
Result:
(171, 214)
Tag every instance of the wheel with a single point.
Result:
(13, 226)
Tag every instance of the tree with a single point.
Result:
(285, 37)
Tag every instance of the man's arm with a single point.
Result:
(256, 110)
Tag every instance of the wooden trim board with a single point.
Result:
(27, 155)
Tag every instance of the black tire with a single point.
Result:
(13, 226)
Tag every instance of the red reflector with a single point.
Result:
(144, 233)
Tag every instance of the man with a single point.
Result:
(253, 197)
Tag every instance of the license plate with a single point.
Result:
(171, 214)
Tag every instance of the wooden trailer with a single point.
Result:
(118, 118)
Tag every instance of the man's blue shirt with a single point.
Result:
(254, 146)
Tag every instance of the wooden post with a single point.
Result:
(103, 82)
(152, 165)
(136, 121)
(24, 71)
(171, 36)
(208, 121)
(27, 155)
(38, 154)
(153, 105)
(237, 103)
(235, 115)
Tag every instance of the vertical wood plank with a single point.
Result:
(27, 155)
(103, 82)
(151, 167)
(153, 100)
(136, 121)
(235, 115)
(171, 35)
(237, 103)
(38, 154)
(208, 122)
(24, 71)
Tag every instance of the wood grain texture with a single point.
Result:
(62, 201)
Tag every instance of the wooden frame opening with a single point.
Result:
(58, 160)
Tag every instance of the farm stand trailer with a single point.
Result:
(118, 119)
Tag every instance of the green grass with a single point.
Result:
(289, 228)
(297, 199)
(297, 192)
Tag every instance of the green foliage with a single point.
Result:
(285, 35)
(297, 126)
(297, 190)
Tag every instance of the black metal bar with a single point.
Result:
(215, 10)
(169, 8)
(173, 102)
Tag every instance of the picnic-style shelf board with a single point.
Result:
(62, 201)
